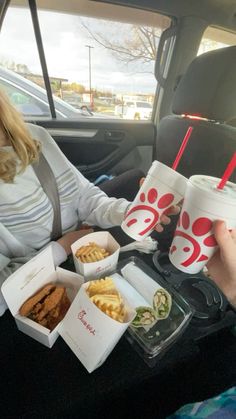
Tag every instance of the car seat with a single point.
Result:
(125, 185)
(206, 100)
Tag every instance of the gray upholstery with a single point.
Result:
(208, 88)
(211, 93)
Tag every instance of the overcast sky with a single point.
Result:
(65, 41)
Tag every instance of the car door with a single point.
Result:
(97, 147)
(97, 141)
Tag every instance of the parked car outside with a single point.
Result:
(32, 101)
(135, 110)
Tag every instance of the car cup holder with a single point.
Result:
(208, 302)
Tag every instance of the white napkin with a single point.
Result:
(148, 245)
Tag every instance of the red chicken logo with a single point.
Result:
(147, 210)
(193, 238)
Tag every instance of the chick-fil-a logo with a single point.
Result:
(100, 269)
(81, 317)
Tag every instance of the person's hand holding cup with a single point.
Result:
(222, 266)
(165, 217)
(194, 242)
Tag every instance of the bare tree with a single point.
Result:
(136, 44)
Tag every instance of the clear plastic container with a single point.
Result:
(153, 343)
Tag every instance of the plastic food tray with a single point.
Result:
(153, 343)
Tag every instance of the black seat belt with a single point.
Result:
(48, 182)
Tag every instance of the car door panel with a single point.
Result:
(99, 147)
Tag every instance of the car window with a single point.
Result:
(144, 105)
(93, 63)
(19, 55)
(24, 102)
(214, 38)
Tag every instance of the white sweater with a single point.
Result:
(26, 214)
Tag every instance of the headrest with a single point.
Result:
(208, 88)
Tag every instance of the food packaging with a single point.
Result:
(194, 242)
(162, 188)
(152, 343)
(90, 333)
(30, 278)
(154, 293)
(98, 269)
(145, 313)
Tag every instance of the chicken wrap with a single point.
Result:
(155, 295)
(146, 315)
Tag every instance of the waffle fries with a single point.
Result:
(103, 293)
(91, 253)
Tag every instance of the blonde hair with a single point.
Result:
(26, 149)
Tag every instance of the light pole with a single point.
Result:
(90, 76)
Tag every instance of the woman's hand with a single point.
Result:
(69, 238)
(165, 219)
(222, 266)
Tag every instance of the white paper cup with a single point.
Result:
(194, 242)
(162, 188)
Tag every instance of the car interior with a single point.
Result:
(204, 99)
(192, 90)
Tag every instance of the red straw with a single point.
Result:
(229, 169)
(182, 148)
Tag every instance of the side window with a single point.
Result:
(95, 64)
(214, 38)
(24, 102)
(19, 62)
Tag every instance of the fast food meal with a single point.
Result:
(145, 313)
(157, 296)
(107, 298)
(92, 252)
(48, 306)
(162, 302)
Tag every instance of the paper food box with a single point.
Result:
(30, 278)
(89, 332)
(93, 270)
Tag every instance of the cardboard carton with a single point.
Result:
(90, 333)
(26, 281)
(99, 269)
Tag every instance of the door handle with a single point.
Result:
(114, 135)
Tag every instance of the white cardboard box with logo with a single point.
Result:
(89, 333)
(27, 280)
(95, 270)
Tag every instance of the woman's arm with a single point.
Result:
(94, 206)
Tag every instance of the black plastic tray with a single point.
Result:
(212, 310)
